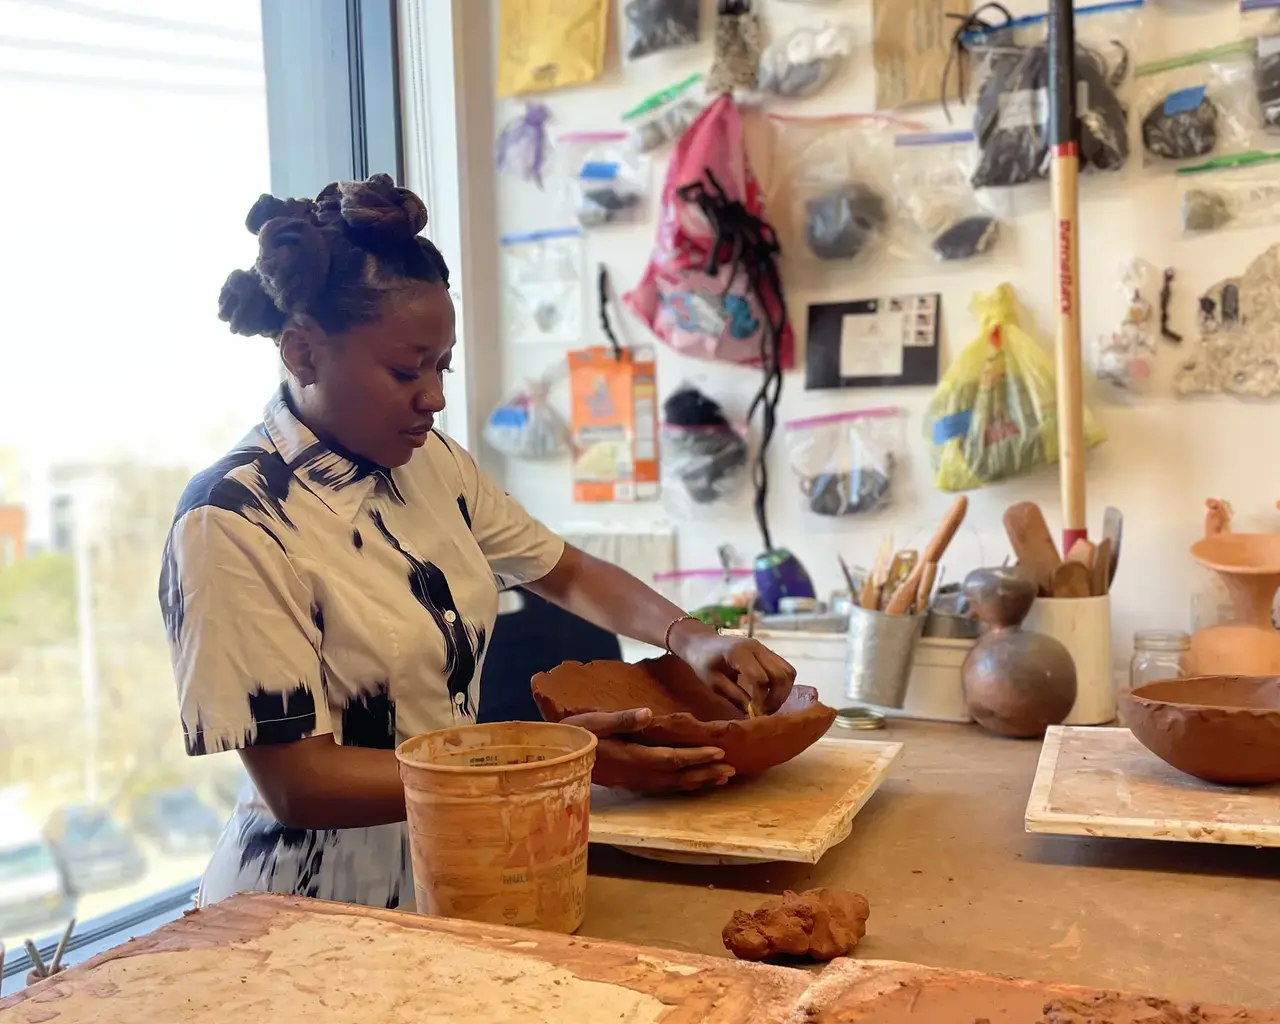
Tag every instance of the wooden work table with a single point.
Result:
(954, 881)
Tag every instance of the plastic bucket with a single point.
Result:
(498, 817)
(878, 656)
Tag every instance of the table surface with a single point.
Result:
(955, 881)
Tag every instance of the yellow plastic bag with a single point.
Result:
(994, 414)
(549, 44)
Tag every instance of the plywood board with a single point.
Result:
(884, 992)
(262, 957)
(795, 812)
(1103, 782)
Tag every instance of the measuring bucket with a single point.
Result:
(878, 656)
(498, 821)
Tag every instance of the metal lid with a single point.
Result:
(859, 718)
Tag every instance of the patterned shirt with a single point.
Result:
(307, 591)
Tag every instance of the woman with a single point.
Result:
(329, 587)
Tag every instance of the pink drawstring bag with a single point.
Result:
(712, 288)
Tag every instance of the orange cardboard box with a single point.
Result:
(615, 424)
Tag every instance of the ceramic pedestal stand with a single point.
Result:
(1249, 564)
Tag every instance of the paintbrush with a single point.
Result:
(848, 578)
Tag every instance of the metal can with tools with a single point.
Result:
(878, 656)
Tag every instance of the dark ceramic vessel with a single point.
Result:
(685, 712)
(1223, 729)
(1016, 683)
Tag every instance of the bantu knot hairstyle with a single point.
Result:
(331, 259)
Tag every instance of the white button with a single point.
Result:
(450, 616)
(459, 698)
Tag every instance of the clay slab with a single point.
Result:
(1103, 782)
(885, 992)
(794, 812)
(263, 957)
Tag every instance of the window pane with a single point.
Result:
(135, 140)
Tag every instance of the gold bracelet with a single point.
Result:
(666, 640)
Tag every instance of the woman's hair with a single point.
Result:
(332, 259)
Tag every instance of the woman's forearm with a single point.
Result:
(318, 784)
(612, 599)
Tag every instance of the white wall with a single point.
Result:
(1164, 455)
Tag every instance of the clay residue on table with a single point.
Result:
(820, 924)
(686, 713)
(871, 993)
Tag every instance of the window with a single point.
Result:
(137, 133)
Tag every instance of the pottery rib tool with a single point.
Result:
(1072, 579)
(1084, 552)
(1032, 543)
(1113, 530)
(933, 552)
(1102, 569)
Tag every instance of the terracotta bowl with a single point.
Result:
(1253, 553)
(685, 713)
(1218, 728)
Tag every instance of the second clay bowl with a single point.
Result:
(685, 712)
(1223, 729)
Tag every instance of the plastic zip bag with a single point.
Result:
(939, 214)
(543, 286)
(657, 25)
(719, 597)
(838, 174)
(522, 145)
(525, 426)
(736, 55)
(1194, 105)
(847, 463)
(664, 116)
(804, 60)
(704, 457)
(1011, 109)
(1241, 191)
(994, 415)
(550, 44)
(1261, 19)
(1125, 357)
(608, 181)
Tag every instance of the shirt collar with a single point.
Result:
(339, 478)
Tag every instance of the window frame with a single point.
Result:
(333, 113)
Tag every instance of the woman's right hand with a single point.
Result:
(625, 764)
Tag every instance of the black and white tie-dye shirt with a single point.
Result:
(306, 591)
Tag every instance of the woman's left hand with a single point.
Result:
(740, 670)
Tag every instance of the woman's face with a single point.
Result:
(377, 388)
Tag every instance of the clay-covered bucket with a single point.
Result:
(498, 822)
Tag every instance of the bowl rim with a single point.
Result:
(1197, 551)
(1141, 697)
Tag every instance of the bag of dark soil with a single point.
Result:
(1261, 20)
(1011, 107)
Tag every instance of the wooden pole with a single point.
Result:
(1065, 172)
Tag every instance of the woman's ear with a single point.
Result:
(298, 343)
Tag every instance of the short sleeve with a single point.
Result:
(241, 633)
(518, 547)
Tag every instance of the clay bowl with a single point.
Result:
(685, 712)
(1222, 729)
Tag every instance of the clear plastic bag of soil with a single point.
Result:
(848, 463)
(608, 180)
(704, 456)
(1241, 191)
(543, 286)
(657, 25)
(525, 426)
(719, 597)
(1011, 106)
(940, 216)
(994, 414)
(1196, 105)
(837, 175)
(803, 61)
(1261, 22)
(664, 116)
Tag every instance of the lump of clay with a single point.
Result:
(839, 225)
(1182, 125)
(821, 924)
(686, 713)
(967, 238)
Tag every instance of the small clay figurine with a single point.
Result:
(1016, 683)
(820, 924)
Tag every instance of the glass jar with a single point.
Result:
(1158, 654)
